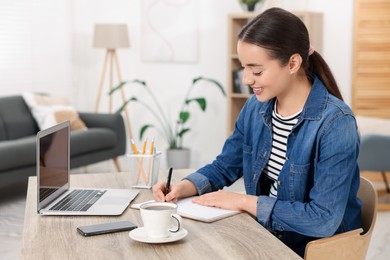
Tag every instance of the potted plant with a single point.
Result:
(172, 132)
(250, 4)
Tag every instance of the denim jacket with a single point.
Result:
(318, 184)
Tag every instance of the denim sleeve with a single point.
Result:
(335, 169)
(227, 167)
(265, 205)
(200, 181)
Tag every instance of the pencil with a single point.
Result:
(134, 147)
(152, 152)
(151, 147)
(144, 146)
(140, 170)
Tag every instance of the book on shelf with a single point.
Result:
(239, 87)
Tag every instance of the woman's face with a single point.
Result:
(266, 76)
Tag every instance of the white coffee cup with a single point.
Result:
(160, 219)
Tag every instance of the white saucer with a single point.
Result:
(139, 234)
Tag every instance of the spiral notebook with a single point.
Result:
(187, 209)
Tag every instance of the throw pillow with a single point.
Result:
(50, 110)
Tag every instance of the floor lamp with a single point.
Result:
(111, 37)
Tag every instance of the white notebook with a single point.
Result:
(188, 209)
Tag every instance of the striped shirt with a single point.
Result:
(281, 128)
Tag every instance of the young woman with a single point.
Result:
(295, 141)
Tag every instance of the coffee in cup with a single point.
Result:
(160, 219)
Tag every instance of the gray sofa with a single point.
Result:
(105, 139)
(374, 155)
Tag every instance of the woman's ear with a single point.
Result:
(295, 63)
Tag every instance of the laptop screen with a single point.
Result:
(53, 160)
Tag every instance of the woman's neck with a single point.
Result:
(293, 100)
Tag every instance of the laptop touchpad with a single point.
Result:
(113, 200)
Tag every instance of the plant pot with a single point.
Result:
(252, 6)
(178, 158)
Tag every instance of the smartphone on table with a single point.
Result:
(106, 228)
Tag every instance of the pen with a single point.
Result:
(168, 181)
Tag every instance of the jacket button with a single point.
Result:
(286, 158)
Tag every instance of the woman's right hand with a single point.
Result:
(182, 189)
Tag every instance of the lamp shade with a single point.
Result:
(111, 36)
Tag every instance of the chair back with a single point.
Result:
(368, 195)
(353, 244)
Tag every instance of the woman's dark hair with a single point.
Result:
(283, 34)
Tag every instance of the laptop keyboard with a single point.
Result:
(78, 200)
(46, 192)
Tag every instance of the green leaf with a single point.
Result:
(212, 81)
(173, 144)
(182, 132)
(218, 85)
(117, 87)
(200, 101)
(140, 82)
(124, 83)
(248, 2)
(143, 129)
(184, 116)
(125, 104)
(196, 80)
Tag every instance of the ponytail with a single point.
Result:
(316, 65)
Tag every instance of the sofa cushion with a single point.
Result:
(16, 120)
(50, 110)
(93, 139)
(17, 153)
(21, 152)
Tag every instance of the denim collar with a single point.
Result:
(314, 106)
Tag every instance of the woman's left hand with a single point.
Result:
(228, 200)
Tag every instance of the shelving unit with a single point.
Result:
(371, 59)
(236, 21)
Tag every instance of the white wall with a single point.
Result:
(64, 62)
(169, 81)
(35, 46)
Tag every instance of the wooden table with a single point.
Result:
(55, 237)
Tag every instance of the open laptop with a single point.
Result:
(55, 194)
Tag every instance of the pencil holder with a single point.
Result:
(144, 169)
